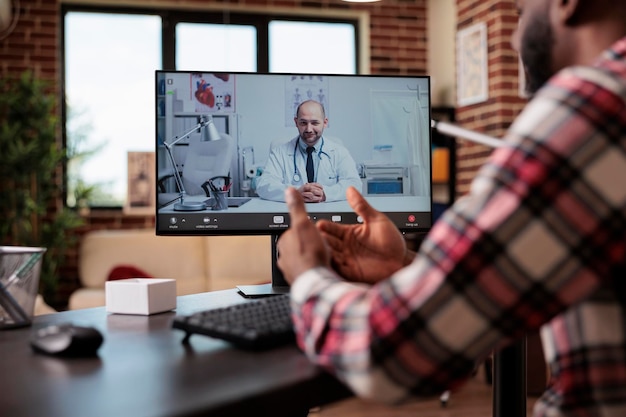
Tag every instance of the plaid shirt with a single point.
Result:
(538, 242)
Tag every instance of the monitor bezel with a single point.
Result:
(163, 221)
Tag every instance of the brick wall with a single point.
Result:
(398, 45)
(398, 42)
(493, 116)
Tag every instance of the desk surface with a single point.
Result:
(387, 203)
(143, 369)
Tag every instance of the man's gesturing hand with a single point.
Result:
(367, 252)
(301, 247)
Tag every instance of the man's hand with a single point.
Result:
(301, 247)
(367, 252)
(312, 192)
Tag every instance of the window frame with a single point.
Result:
(258, 17)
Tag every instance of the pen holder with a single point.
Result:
(20, 268)
(221, 200)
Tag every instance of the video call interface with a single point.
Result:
(227, 146)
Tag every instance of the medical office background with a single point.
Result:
(382, 121)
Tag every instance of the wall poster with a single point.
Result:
(472, 67)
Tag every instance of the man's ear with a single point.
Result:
(571, 11)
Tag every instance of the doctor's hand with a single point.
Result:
(312, 192)
(301, 247)
(367, 252)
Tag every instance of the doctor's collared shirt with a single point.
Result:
(539, 242)
(335, 170)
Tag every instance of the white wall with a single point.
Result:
(261, 107)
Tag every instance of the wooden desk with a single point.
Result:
(143, 370)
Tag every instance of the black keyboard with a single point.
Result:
(258, 324)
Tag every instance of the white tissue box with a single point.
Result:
(140, 295)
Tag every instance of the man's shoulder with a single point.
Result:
(333, 142)
(282, 143)
(608, 73)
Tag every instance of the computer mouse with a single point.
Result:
(67, 340)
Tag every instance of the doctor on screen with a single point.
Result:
(320, 169)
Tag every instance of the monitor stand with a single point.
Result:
(278, 285)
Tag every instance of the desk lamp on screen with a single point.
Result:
(382, 121)
(206, 160)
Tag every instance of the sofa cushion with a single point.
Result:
(198, 263)
(126, 272)
(180, 257)
(238, 260)
(87, 298)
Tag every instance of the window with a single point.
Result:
(110, 56)
(108, 87)
(232, 47)
(313, 47)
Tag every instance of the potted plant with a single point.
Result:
(31, 208)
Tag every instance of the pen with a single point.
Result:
(24, 269)
(12, 307)
(212, 185)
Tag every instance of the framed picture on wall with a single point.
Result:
(140, 196)
(472, 65)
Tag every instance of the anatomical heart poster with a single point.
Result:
(213, 92)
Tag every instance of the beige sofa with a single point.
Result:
(198, 263)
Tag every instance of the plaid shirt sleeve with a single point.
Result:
(541, 229)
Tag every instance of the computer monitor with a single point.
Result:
(382, 122)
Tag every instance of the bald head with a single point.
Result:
(313, 105)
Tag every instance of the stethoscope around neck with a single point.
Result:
(296, 174)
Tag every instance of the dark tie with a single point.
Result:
(309, 164)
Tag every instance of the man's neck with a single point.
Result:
(305, 145)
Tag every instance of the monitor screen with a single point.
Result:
(228, 144)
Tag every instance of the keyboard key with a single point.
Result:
(257, 325)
